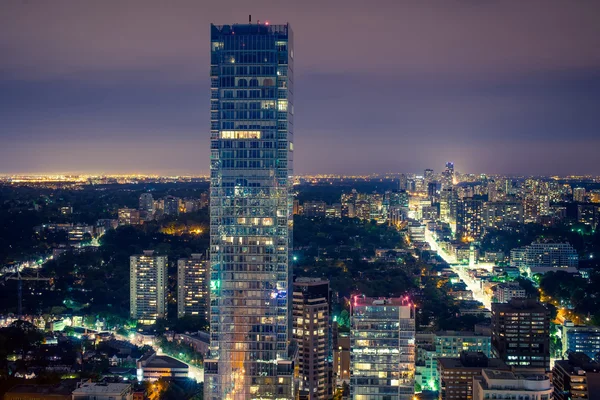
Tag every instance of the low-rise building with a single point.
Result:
(39, 392)
(576, 378)
(456, 374)
(504, 292)
(103, 391)
(494, 384)
(580, 338)
(151, 367)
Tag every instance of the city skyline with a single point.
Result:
(516, 98)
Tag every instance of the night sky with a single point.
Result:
(123, 86)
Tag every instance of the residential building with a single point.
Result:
(578, 377)
(469, 226)
(312, 331)
(521, 334)
(251, 352)
(314, 208)
(581, 339)
(579, 195)
(456, 374)
(148, 287)
(504, 292)
(146, 206)
(541, 257)
(500, 215)
(78, 233)
(103, 391)
(129, 216)
(171, 205)
(493, 384)
(382, 343)
(192, 286)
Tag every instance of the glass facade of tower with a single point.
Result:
(251, 213)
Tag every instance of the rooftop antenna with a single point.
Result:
(249, 18)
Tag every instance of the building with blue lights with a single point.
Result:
(251, 110)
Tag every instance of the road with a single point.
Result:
(462, 271)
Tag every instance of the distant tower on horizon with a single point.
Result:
(251, 355)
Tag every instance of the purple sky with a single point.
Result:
(122, 86)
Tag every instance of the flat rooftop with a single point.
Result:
(165, 362)
(101, 387)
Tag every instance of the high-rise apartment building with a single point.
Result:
(146, 206)
(171, 205)
(192, 286)
(312, 331)
(579, 195)
(251, 354)
(521, 334)
(499, 215)
(148, 287)
(469, 226)
(382, 342)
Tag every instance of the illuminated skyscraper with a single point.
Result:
(251, 356)
(382, 343)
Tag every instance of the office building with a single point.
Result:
(103, 391)
(129, 216)
(146, 206)
(542, 257)
(252, 352)
(578, 377)
(312, 331)
(493, 384)
(192, 286)
(581, 339)
(521, 334)
(447, 344)
(456, 374)
(152, 367)
(148, 287)
(469, 226)
(382, 342)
